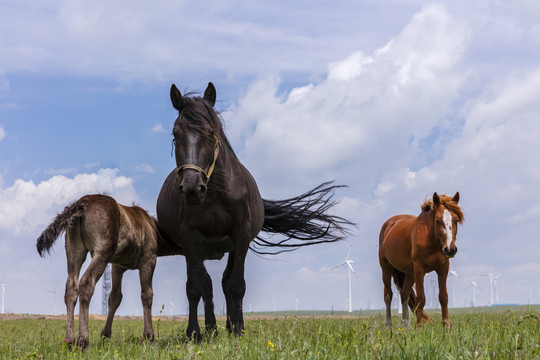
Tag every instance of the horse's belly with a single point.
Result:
(215, 247)
(128, 254)
(396, 244)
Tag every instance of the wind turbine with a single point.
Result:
(54, 295)
(171, 309)
(494, 292)
(3, 285)
(474, 286)
(350, 269)
(432, 291)
(454, 275)
(106, 289)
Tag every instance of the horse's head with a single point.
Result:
(196, 141)
(446, 217)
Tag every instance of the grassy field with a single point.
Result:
(496, 334)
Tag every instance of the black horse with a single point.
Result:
(210, 205)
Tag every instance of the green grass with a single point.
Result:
(506, 334)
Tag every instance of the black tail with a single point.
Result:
(71, 213)
(399, 279)
(303, 218)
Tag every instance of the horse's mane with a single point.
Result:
(197, 114)
(448, 203)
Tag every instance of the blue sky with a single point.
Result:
(396, 99)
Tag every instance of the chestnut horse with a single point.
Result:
(210, 205)
(412, 246)
(125, 236)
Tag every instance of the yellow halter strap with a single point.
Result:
(198, 168)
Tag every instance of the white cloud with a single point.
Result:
(26, 207)
(64, 171)
(145, 168)
(91, 165)
(158, 128)
(386, 102)
(103, 38)
(3, 133)
(394, 126)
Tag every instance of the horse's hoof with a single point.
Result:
(82, 343)
(404, 323)
(195, 336)
(212, 330)
(148, 337)
(447, 324)
(69, 342)
(106, 334)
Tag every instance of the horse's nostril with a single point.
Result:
(202, 188)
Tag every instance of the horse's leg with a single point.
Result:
(234, 286)
(442, 274)
(115, 298)
(146, 273)
(86, 290)
(405, 293)
(226, 292)
(76, 255)
(420, 302)
(208, 298)
(387, 282)
(194, 294)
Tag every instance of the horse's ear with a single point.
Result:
(456, 198)
(176, 98)
(210, 94)
(436, 200)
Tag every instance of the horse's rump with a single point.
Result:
(61, 222)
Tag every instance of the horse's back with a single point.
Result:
(395, 241)
(120, 232)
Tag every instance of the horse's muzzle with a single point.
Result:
(194, 195)
(193, 188)
(450, 253)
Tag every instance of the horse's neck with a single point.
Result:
(426, 219)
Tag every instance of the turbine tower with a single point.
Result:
(474, 286)
(350, 269)
(454, 275)
(107, 285)
(53, 291)
(494, 292)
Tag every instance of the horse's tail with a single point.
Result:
(303, 218)
(399, 278)
(61, 222)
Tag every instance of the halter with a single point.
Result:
(206, 175)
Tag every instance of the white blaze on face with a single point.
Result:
(447, 220)
(191, 151)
